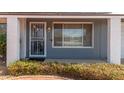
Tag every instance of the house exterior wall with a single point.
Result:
(22, 22)
(122, 40)
(100, 41)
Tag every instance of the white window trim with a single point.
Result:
(62, 35)
(45, 39)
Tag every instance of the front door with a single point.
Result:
(37, 39)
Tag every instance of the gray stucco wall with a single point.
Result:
(100, 41)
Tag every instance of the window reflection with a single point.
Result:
(73, 35)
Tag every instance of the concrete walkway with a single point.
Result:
(89, 61)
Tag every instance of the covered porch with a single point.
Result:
(17, 48)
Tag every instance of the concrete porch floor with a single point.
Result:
(76, 61)
(80, 61)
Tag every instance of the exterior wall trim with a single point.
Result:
(39, 16)
(62, 36)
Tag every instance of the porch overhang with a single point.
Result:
(114, 30)
(70, 17)
(78, 15)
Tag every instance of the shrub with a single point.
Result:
(34, 68)
(52, 68)
(24, 68)
(2, 44)
(75, 71)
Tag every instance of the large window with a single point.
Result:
(73, 35)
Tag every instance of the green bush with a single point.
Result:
(74, 71)
(2, 44)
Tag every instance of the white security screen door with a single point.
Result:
(37, 42)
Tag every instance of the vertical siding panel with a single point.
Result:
(22, 38)
(104, 40)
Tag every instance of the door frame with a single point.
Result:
(37, 56)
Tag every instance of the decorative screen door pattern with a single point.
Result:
(37, 39)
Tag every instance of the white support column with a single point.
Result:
(13, 40)
(114, 40)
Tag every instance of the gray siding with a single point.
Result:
(100, 41)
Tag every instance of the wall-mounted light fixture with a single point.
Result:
(49, 29)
